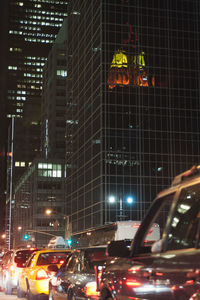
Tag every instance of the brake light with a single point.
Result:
(133, 283)
(91, 289)
(61, 261)
(41, 274)
(32, 249)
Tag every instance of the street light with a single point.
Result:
(113, 199)
(48, 211)
(130, 199)
(67, 224)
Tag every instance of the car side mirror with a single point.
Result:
(119, 248)
(53, 268)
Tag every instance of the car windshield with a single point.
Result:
(51, 258)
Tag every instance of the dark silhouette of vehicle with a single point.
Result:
(169, 268)
(76, 278)
(12, 263)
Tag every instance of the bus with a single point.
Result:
(120, 230)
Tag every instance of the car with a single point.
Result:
(76, 278)
(10, 267)
(170, 267)
(34, 279)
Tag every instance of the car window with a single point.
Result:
(72, 262)
(156, 218)
(29, 261)
(94, 257)
(51, 258)
(21, 256)
(185, 222)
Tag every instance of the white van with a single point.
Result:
(57, 242)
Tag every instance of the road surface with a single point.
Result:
(6, 297)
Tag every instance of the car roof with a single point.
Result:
(54, 250)
(174, 187)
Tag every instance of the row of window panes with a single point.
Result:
(32, 75)
(62, 73)
(51, 1)
(44, 12)
(32, 34)
(39, 17)
(15, 49)
(13, 116)
(31, 63)
(17, 98)
(49, 173)
(37, 40)
(36, 58)
(49, 166)
(12, 67)
(20, 164)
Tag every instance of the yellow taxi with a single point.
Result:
(34, 277)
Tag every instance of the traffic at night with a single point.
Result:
(99, 150)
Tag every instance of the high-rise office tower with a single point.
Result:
(42, 186)
(134, 82)
(53, 120)
(32, 28)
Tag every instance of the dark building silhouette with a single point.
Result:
(133, 82)
(54, 98)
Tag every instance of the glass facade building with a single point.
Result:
(32, 28)
(133, 82)
(53, 123)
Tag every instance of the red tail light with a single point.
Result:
(61, 261)
(41, 274)
(91, 289)
(133, 283)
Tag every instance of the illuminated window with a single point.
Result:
(20, 164)
(12, 68)
(62, 73)
(49, 170)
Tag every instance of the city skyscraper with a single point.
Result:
(53, 119)
(30, 29)
(133, 82)
(33, 26)
(42, 187)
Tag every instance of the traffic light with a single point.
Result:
(69, 243)
(26, 237)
